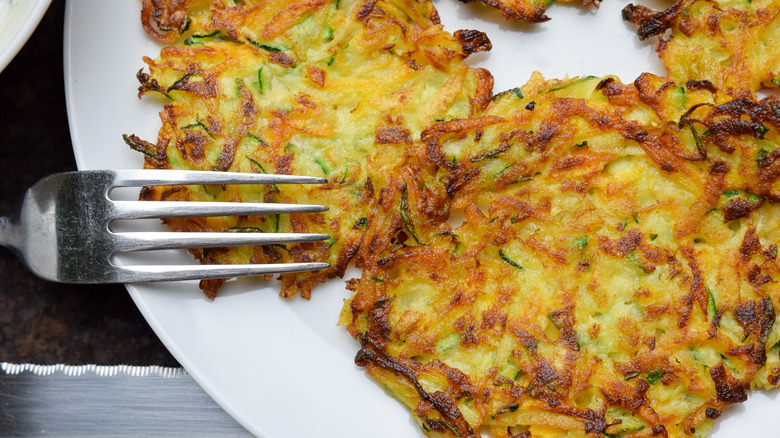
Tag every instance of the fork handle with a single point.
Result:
(6, 232)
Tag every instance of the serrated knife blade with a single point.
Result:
(107, 401)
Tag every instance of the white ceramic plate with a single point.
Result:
(18, 20)
(282, 368)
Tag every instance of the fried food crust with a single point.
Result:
(615, 272)
(728, 44)
(338, 89)
(530, 11)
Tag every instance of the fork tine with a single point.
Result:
(138, 274)
(141, 241)
(164, 177)
(170, 209)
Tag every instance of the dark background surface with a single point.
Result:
(42, 322)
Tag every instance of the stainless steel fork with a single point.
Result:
(62, 233)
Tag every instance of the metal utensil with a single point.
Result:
(118, 401)
(61, 232)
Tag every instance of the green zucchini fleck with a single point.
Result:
(140, 146)
(264, 46)
(697, 141)
(570, 83)
(191, 40)
(448, 342)
(208, 190)
(654, 376)
(711, 306)
(509, 261)
(504, 169)
(492, 154)
(633, 258)
(753, 198)
(760, 158)
(197, 39)
(405, 216)
(200, 125)
(323, 165)
(344, 175)
(260, 80)
(186, 26)
(261, 168)
(256, 164)
(179, 81)
(257, 139)
(761, 131)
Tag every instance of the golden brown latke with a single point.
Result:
(729, 44)
(615, 273)
(338, 89)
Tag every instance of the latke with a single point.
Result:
(338, 89)
(615, 272)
